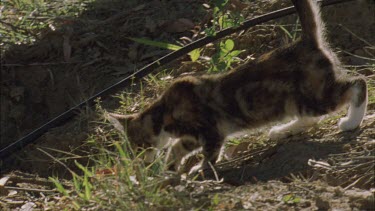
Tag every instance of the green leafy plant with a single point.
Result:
(214, 202)
(224, 57)
(223, 19)
(85, 183)
(155, 43)
(119, 179)
(59, 186)
(291, 199)
(233, 142)
(194, 54)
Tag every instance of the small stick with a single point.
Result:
(29, 189)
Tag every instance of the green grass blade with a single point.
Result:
(59, 186)
(286, 32)
(155, 43)
(87, 186)
(84, 169)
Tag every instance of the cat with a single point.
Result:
(303, 80)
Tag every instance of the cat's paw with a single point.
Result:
(195, 169)
(346, 124)
(276, 134)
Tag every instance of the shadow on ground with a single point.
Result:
(78, 58)
(280, 161)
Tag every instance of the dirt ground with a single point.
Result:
(87, 54)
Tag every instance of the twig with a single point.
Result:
(61, 163)
(361, 57)
(214, 170)
(356, 36)
(20, 179)
(358, 181)
(28, 189)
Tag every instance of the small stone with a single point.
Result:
(322, 204)
(305, 204)
(28, 206)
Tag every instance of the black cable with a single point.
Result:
(64, 117)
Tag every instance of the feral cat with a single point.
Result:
(303, 80)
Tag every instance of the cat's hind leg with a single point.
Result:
(357, 96)
(293, 127)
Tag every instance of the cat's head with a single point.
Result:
(138, 130)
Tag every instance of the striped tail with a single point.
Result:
(312, 25)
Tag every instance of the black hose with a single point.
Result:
(64, 117)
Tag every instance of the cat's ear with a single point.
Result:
(119, 121)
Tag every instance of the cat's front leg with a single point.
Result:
(185, 159)
(200, 166)
(212, 143)
(293, 127)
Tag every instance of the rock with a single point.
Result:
(29, 206)
(362, 199)
(322, 204)
(3, 190)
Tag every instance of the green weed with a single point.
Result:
(221, 60)
(59, 186)
(194, 54)
(291, 199)
(222, 18)
(224, 57)
(214, 202)
(225, 54)
(118, 178)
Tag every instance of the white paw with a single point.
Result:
(276, 134)
(195, 169)
(346, 124)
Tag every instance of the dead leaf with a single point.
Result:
(3, 181)
(29, 206)
(105, 172)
